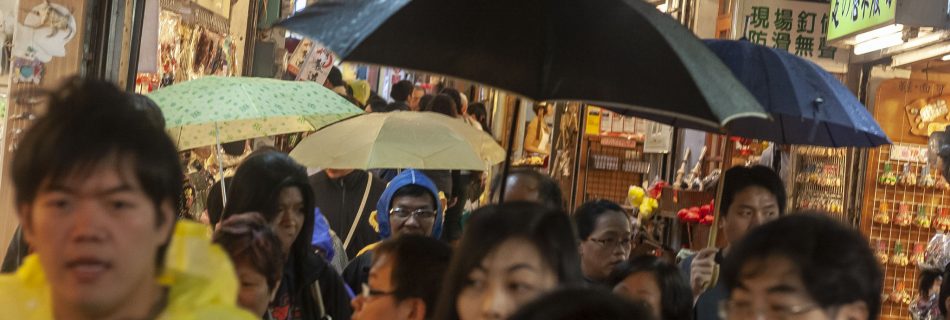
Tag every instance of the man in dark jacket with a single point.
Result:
(409, 206)
(339, 194)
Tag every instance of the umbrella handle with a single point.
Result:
(218, 149)
(726, 153)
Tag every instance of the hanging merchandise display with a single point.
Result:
(192, 43)
(822, 181)
(906, 202)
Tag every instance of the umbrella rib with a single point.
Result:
(372, 150)
(247, 97)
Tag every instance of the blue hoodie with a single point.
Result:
(407, 177)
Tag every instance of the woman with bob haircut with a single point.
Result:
(509, 255)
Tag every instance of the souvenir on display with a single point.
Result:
(694, 179)
(923, 219)
(903, 217)
(889, 177)
(680, 181)
(900, 257)
(901, 295)
(943, 220)
(908, 176)
(918, 257)
(926, 179)
(28, 71)
(881, 216)
(881, 253)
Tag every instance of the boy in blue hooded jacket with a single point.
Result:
(410, 205)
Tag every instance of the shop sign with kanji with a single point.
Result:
(800, 28)
(852, 16)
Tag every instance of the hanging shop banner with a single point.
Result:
(659, 138)
(800, 28)
(316, 67)
(849, 17)
(310, 61)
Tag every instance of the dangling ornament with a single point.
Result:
(904, 217)
(943, 221)
(900, 257)
(881, 252)
(889, 177)
(923, 219)
(918, 257)
(882, 216)
(926, 179)
(908, 176)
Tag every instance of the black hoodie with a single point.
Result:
(338, 200)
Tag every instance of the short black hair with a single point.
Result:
(401, 90)
(944, 290)
(585, 216)
(425, 100)
(88, 121)
(456, 97)
(480, 113)
(926, 281)
(414, 190)
(335, 77)
(234, 148)
(548, 190)
(676, 298)
(834, 261)
(247, 238)
(548, 229)
(572, 303)
(443, 104)
(377, 103)
(256, 187)
(739, 178)
(214, 203)
(419, 264)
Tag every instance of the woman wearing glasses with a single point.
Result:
(509, 255)
(408, 206)
(272, 184)
(605, 233)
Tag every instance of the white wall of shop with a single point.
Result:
(239, 20)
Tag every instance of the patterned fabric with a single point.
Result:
(200, 112)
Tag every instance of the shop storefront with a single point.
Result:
(903, 201)
(190, 40)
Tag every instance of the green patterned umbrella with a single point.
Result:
(211, 110)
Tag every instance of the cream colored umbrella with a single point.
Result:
(401, 139)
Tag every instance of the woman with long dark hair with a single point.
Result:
(272, 184)
(509, 255)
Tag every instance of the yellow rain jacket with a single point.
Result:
(199, 276)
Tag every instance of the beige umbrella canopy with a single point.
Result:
(401, 139)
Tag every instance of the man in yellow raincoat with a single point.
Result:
(97, 186)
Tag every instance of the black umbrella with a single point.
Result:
(621, 54)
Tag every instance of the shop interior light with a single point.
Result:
(946, 58)
(879, 43)
(662, 7)
(878, 33)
